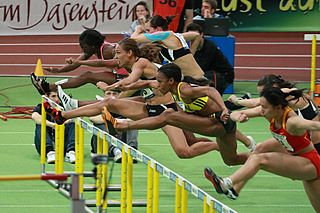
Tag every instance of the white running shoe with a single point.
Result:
(99, 98)
(67, 102)
(117, 156)
(51, 157)
(252, 145)
(70, 157)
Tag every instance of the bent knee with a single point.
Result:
(183, 153)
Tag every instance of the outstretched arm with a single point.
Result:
(140, 84)
(68, 67)
(95, 63)
(297, 124)
(244, 115)
(250, 103)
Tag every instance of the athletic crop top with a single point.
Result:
(292, 143)
(309, 112)
(171, 55)
(194, 106)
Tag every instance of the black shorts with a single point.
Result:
(155, 110)
(230, 126)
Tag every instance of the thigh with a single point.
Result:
(105, 76)
(194, 123)
(176, 137)
(269, 145)
(128, 108)
(286, 165)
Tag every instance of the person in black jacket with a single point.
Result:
(211, 60)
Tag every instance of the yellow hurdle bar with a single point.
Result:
(61, 149)
(99, 172)
(313, 65)
(184, 198)
(43, 136)
(57, 150)
(149, 188)
(77, 148)
(123, 205)
(205, 205)
(81, 158)
(178, 197)
(129, 182)
(155, 197)
(104, 171)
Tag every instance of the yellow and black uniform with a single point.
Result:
(198, 104)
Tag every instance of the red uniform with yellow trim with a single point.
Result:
(294, 143)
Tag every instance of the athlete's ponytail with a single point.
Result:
(159, 21)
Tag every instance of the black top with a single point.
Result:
(210, 58)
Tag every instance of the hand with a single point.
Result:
(233, 99)
(239, 117)
(121, 87)
(52, 69)
(225, 115)
(142, 20)
(207, 14)
(102, 85)
(73, 61)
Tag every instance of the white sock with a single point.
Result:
(227, 182)
(116, 151)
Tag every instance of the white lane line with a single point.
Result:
(33, 54)
(34, 206)
(271, 55)
(40, 44)
(273, 43)
(276, 68)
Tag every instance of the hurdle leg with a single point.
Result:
(43, 137)
(104, 172)
(178, 197)
(129, 182)
(99, 174)
(184, 198)
(123, 205)
(205, 205)
(149, 188)
(155, 196)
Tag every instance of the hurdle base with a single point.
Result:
(111, 187)
(116, 203)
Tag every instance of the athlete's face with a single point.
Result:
(149, 29)
(88, 49)
(267, 110)
(164, 85)
(121, 55)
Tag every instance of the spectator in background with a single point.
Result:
(181, 10)
(141, 13)
(208, 9)
(50, 134)
(215, 65)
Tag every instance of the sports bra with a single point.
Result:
(194, 106)
(148, 93)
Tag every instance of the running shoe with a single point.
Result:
(108, 117)
(218, 184)
(67, 102)
(56, 114)
(51, 157)
(40, 84)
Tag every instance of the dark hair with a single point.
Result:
(171, 70)
(194, 27)
(213, 3)
(144, 4)
(276, 97)
(130, 44)
(92, 38)
(150, 51)
(159, 21)
(275, 80)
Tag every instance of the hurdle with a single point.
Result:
(183, 187)
(313, 38)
